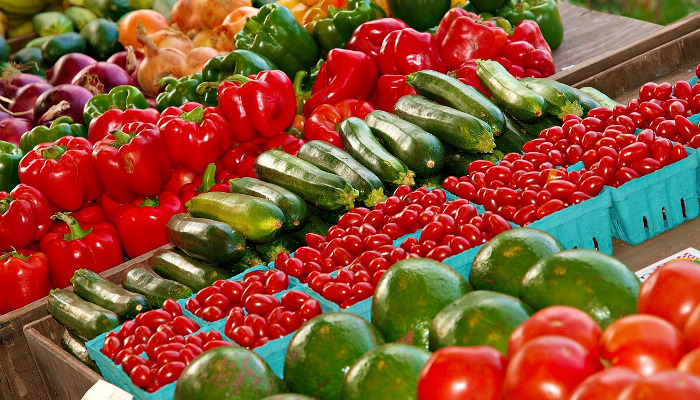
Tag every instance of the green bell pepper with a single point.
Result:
(60, 127)
(184, 90)
(122, 97)
(419, 14)
(275, 34)
(237, 62)
(10, 155)
(337, 28)
(544, 12)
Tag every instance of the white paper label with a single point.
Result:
(103, 390)
(689, 254)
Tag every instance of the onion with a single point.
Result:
(119, 59)
(101, 77)
(12, 129)
(12, 79)
(173, 38)
(66, 67)
(186, 16)
(157, 63)
(196, 59)
(25, 99)
(215, 11)
(68, 100)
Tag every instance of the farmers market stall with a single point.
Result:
(245, 270)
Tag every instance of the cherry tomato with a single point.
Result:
(172, 307)
(550, 207)
(294, 299)
(479, 166)
(258, 323)
(462, 372)
(495, 224)
(204, 294)
(142, 334)
(153, 318)
(439, 253)
(244, 335)
(526, 215)
(218, 300)
(128, 328)
(683, 90)
(650, 110)
(215, 343)
(671, 292)
(184, 326)
(663, 91)
(130, 361)
(605, 385)
(260, 304)
(309, 309)
(560, 189)
(678, 153)
(336, 292)
(169, 372)
(664, 385)
(141, 375)
(111, 346)
(212, 313)
(376, 240)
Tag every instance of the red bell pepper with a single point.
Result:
(368, 37)
(132, 162)
(179, 178)
(467, 74)
(262, 105)
(71, 246)
(194, 136)
(63, 171)
(462, 36)
(233, 158)
(109, 206)
(407, 51)
(529, 51)
(141, 223)
(115, 118)
(23, 279)
(390, 88)
(285, 142)
(205, 183)
(346, 74)
(25, 216)
(322, 124)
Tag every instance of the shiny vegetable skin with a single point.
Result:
(86, 319)
(323, 189)
(421, 151)
(206, 239)
(75, 345)
(92, 287)
(454, 93)
(259, 220)
(522, 103)
(361, 144)
(599, 96)
(140, 279)
(561, 98)
(449, 125)
(196, 274)
(293, 206)
(332, 159)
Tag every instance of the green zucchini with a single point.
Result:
(92, 287)
(293, 206)
(313, 225)
(514, 136)
(334, 160)
(533, 129)
(587, 102)
(140, 279)
(75, 345)
(259, 220)
(206, 239)
(457, 160)
(456, 94)
(323, 189)
(451, 126)
(250, 259)
(432, 182)
(361, 144)
(513, 96)
(421, 151)
(87, 320)
(561, 98)
(599, 96)
(268, 251)
(193, 273)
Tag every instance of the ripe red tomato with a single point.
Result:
(692, 328)
(644, 343)
(141, 375)
(462, 372)
(690, 363)
(664, 385)
(557, 320)
(548, 367)
(671, 292)
(605, 385)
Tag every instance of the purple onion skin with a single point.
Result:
(26, 98)
(67, 67)
(118, 59)
(76, 96)
(12, 129)
(101, 77)
(18, 81)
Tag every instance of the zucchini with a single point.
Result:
(250, 259)
(432, 182)
(533, 130)
(513, 96)
(87, 320)
(92, 287)
(259, 220)
(421, 151)
(323, 189)
(561, 98)
(313, 225)
(332, 159)
(587, 102)
(140, 279)
(451, 126)
(193, 273)
(599, 96)
(206, 239)
(457, 160)
(75, 345)
(268, 251)
(361, 144)
(456, 94)
(514, 136)
(293, 206)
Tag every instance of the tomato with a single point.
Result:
(550, 207)
(130, 361)
(645, 343)
(462, 372)
(169, 372)
(112, 346)
(204, 294)
(293, 299)
(692, 328)
(690, 363)
(671, 292)
(309, 309)
(183, 326)
(663, 91)
(244, 335)
(605, 385)
(218, 300)
(153, 318)
(172, 307)
(141, 375)
(557, 320)
(260, 304)
(664, 385)
(336, 292)
(548, 367)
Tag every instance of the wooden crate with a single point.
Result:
(63, 376)
(19, 376)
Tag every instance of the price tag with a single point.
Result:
(689, 254)
(103, 390)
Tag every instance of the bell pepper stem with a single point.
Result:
(196, 115)
(205, 87)
(208, 178)
(253, 26)
(53, 152)
(150, 202)
(299, 92)
(120, 138)
(13, 253)
(239, 79)
(5, 203)
(75, 231)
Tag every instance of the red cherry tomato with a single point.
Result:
(309, 309)
(664, 385)
(244, 335)
(170, 372)
(605, 385)
(112, 346)
(212, 313)
(184, 326)
(141, 375)
(172, 307)
(550, 207)
(130, 361)
(337, 292)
